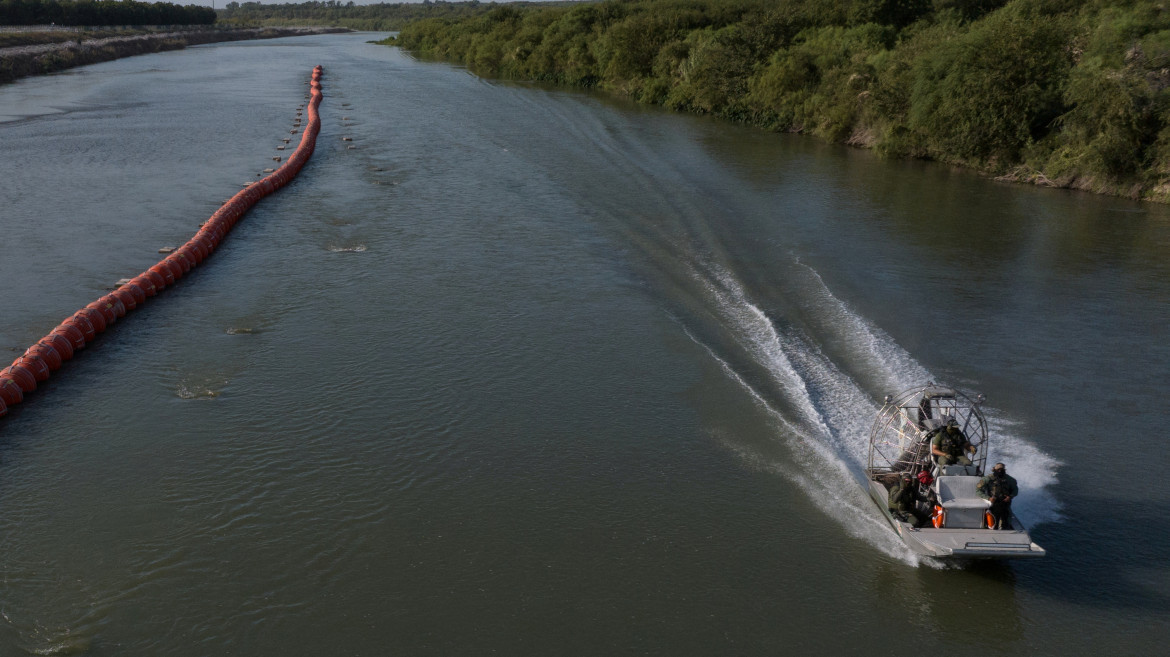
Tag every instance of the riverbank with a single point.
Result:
(80, 49)
(1067, 94)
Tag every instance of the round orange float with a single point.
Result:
(35, 366)
(116, 305)
(146, 284)
(127, 299)
(136, 292)
(45, 352)
(22, 376)
(10, 391)
(83, 325)
(60, 344)
(164, 272)
(156, 278)
(71, 333)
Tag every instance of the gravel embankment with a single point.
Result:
(22, 61)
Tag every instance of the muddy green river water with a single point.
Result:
(538, 372)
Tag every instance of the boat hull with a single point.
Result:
(959, 544)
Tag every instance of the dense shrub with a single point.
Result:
(102, 12)
(1072, 92)
(986, 95)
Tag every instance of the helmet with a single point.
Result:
(925, 478)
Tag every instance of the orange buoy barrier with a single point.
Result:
(22, 377)
(35, 365)
(46, 353)
(61, 344)
(164, 272)
(70, 336)
(96, 315)
(11, 392)
(129, 302)
(146, 284)
(71, 333)
(82, 323)
(115, 304)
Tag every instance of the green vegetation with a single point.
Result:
(102, 12)
(1072, 93)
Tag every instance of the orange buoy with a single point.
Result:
(20, 375)
(192, 251)
(36, 366)
(164, 272)
(156, 278)
(71, 333)
(83, 325)
(135, 291)
(208, 247)
(106, 309)
(10, 391)
(116, 305)
(174, 265)
(46, 352)
(184, 259)
(210, 234)
(127, 299)
(179, 266)
(61, 344)
(214, 228)
(146, 284)
(96, 315)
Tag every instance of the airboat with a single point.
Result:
(960, 525)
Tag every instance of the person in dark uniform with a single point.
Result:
(950, 445)
(904, 498)
(999, 489)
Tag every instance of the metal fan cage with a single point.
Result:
(900, 438)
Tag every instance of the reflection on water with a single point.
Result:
(973, 605)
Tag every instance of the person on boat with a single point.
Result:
(904, 498)
(950, 445)
(999, 489)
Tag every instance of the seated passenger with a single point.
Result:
(999, 489)
(904, 498)
(950, 445)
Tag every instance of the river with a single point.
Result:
(534, 371)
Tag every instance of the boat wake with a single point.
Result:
(822, 415)
(814, 365)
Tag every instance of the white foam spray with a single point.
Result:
(828, 436)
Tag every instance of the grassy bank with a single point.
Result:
(53, 53)
(1070, 93)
